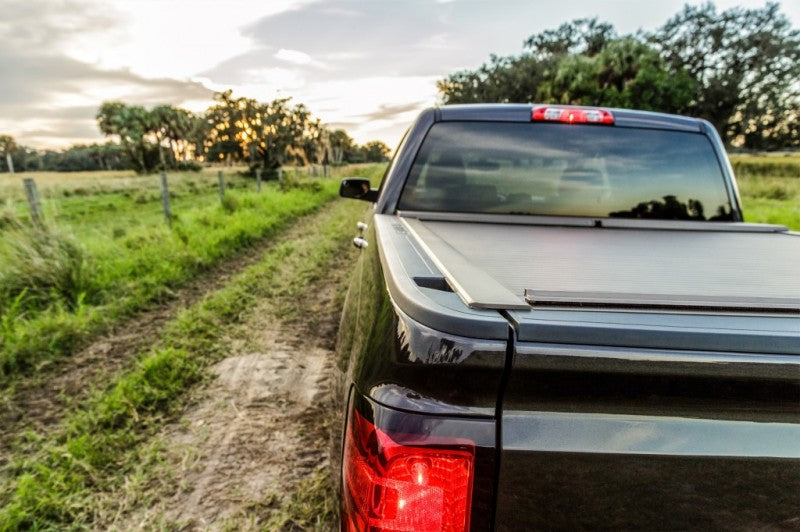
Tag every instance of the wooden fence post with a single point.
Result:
(221, 179)
(32, 193)
(258, 179)
(165, 199)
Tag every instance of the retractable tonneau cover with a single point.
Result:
(717, 270)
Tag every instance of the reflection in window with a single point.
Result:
(567, 170)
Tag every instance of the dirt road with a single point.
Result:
(251, 451)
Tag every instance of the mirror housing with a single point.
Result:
(358, 188)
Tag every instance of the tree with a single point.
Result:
(267, 135)
(8, 147)
(739, 69)
(375, 152)
(746, 63)
(343, 147)
(624, 73)
(131, 124)
(520, 78)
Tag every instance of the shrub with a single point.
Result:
(48, 266)
(188, 166)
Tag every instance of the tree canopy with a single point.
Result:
(737, 68)
(263, 135)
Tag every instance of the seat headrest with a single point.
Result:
(448, 169)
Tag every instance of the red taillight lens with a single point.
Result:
(572, 116)
(402, 487)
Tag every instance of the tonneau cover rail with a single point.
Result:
(616, 300)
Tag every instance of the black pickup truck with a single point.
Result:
(559, 320)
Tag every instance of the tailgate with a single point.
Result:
(649, 439)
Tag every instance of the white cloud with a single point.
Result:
(293, 56)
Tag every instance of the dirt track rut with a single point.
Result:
(259, 428)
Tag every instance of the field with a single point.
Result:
(140, 364)
(109, 318)
(770, 188)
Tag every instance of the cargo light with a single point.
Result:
(572, 116)
(399, 487)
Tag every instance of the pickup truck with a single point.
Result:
(559, 320)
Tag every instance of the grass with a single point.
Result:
(58, 300)
(766, 165)
(314, 507)
(58, 480)
(90, 267)
(770, 188)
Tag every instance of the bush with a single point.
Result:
(188, 166)
(48, 266)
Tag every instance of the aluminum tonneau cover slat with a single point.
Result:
(728, 262)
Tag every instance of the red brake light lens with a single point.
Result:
(572, 116)
(400, 487)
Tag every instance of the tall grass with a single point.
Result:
(59, 289)
(776, 165)
(43, 266)
(770, 188)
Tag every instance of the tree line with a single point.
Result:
(263, 135)
(738, 68)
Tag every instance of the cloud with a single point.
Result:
(40, 25)
(293, 56)
(392, 111)
(45, 95)
(354, 39)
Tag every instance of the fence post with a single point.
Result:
(258, 179)
(165, 199)
(280, 175)
(32, 193)
(221, 179)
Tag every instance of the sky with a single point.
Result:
(367, 66)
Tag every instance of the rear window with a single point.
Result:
(567, 170)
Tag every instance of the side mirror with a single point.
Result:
(357, 188)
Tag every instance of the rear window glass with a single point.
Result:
(566, 170)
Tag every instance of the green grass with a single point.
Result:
(122, 257)
(314, 507)
(769, 188)
(766, 165)
(57, 480)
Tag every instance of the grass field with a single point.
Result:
(105, 250)
(770, 188)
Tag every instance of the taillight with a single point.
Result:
(418, 485)
(572, 116)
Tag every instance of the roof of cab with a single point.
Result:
(514, 112)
